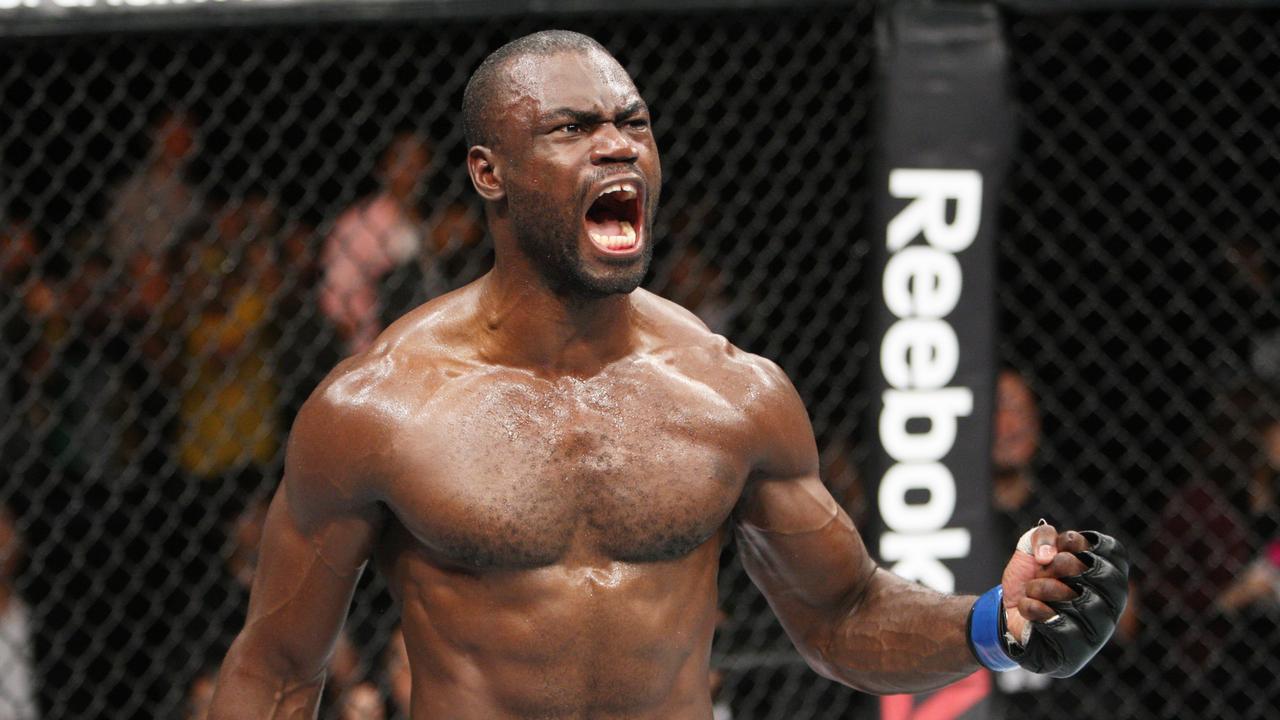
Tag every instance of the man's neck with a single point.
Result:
(527, 324)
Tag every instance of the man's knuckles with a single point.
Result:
(1092, 615)
(1050, 590)
(1106, 579)
(1109, 548)
(1034, 610)
(1072, 542)
(1063, 565)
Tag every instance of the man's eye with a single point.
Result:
(639, 124)
(571, 128)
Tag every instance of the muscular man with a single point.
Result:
(546, 465)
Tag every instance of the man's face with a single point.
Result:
(405, 164)
(582, 171)
(176, 137)
(1017, 425)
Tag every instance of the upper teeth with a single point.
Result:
(627, 189)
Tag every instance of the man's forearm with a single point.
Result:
(853, 622)
(249, 689)
(897, 636)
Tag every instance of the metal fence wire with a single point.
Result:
(195, 226)
(198, 225)
(1138, 284)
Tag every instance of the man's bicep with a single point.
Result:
(312, 553)
(796, 541)
(800, 547)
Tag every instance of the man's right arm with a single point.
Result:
(319, 533)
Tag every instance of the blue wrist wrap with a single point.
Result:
(984, 631)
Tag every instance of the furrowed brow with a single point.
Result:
(580, 117)
(591, 117)
(631, 110)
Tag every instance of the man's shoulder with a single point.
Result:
(698, 350)
(366, 404)
(399, 366)
(671, 320)
(406, 362)
(756, 385)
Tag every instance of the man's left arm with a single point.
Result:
(861, 625)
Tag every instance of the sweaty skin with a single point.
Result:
(546, 472)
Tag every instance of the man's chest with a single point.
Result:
(519, 474)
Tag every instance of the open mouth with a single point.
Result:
(613, 221)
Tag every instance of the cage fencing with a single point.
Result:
(178, 210)
(1138, 288)
(172, 206)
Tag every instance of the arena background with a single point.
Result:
(147, 394)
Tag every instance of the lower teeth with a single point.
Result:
(616, 242)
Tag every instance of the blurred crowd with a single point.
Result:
(152, 368)
(1204, 603)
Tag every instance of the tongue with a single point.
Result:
(604, 226)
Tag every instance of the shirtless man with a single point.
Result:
(546, 465)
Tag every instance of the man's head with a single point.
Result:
(405, 164)
(1017, 423)
(174, 137)
(562, 151)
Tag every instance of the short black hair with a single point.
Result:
(485, 82)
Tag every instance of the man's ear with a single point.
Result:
(485, 175)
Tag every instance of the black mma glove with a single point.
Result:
(1062, 645)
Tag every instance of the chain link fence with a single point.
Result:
(1138, 285)
(173, 206)
(198, 225)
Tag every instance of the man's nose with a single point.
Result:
(612, 145)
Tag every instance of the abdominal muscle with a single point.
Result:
(580, 640)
